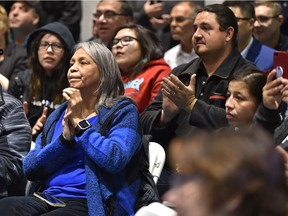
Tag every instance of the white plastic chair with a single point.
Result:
(156, 209)
(157, 159)
(33, 145)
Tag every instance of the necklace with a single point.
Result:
(89, 115)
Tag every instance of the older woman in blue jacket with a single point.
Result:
(76, 162)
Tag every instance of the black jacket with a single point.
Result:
(15, 61)
(203, 114)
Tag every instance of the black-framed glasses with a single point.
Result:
(107, 14)
(265, 19)
(126, 40)
(179, 19)
(242, 18)
(56, 47)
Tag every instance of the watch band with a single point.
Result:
(67, 143)
(82, 126)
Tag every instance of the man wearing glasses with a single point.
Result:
(24, 17)
(249, 47)
(268, 22)
(111, 15)
(181, 27)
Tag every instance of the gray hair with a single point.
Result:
(111, 88)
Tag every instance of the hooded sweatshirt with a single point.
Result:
(55, 28)
(20, 87)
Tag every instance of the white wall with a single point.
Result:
(88, 8)
(207, 2)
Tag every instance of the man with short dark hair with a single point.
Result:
(249, 47)
(185, 102)
(111, 15)
(24, 17)
(267, 27)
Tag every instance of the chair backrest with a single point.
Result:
(157, 158)
(28, 184)
(33, 145)
(156, 209)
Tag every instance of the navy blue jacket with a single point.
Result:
(261, 55)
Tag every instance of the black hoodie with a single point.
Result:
(56, 28)
(20, 86)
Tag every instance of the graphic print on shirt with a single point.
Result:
(133, 87)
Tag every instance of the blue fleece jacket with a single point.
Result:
(106, 158)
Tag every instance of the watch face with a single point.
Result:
(84, 124)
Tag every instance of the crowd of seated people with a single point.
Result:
(220, 83)
(74, 162)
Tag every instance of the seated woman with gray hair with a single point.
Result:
(81, 169)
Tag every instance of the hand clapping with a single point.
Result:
(73, 112)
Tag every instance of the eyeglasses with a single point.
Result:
(265, 19)
(124, 40)
(179, 19)
(56, 47)
(242, 18)
(107, 14)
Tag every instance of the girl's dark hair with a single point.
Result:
(255, 79)
(37, 78)
(151, 47)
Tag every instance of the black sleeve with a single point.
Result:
(140, 17)
(207, 116)
(267, 119)
(18, 87)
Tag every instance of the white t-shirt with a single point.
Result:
(176, 56)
